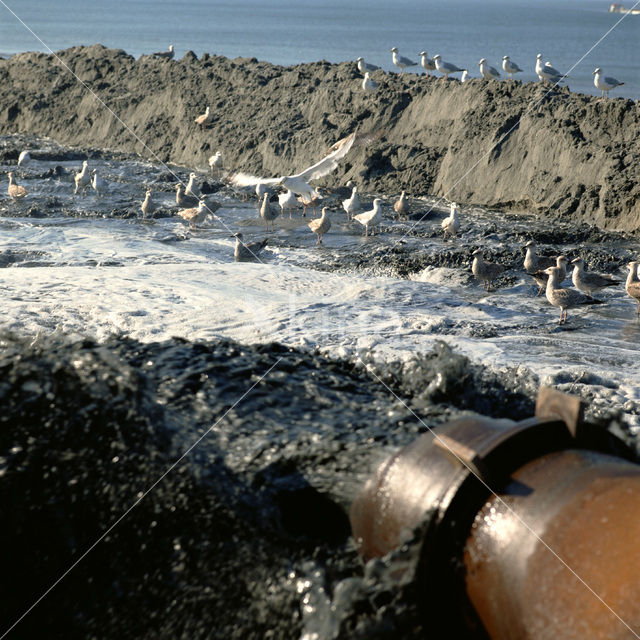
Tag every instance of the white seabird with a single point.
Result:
(368, 84)
(82, 178)
(15, 191)
(401, 207)
(299, 182)
(488, 72)
(464, 77)
(363, 66)
(183, 200)
(168, 55)
(268, 212)
(547, 72)
(215, 163)
(589, 282)
(400, 61)
(510, 67)
(203, 119)
(98, 184)
(352, 205)
(605, 83)
(287, 200)
(445, 67)
(24, 158)
(148, 206)
(194, 215)
(632, 285)
(192, 188)
(370, 219)
(485, 271)
(451, 225)
(427, 63)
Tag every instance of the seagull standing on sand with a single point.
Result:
(590, 282)
(547, 72)
(24, 158)
(352, 205)
(168, 55)
(203, 119)
(632, 286)
(249, 251)
(299, 182)
(451, 225)
(510, 67)
(82, 178)
(534, 263)
(485, 271)
(215, 163)
(369, 85)
(605, 83)
(268, 212)
(194, 215)
(148, 206)
(445, 68)
(370, 219)
(400, 61)
(401, 207)
(98, 184)
(565, 299)
(321, 225)
(15, 191)
(488, 72)
(287, 200)
(363, 66)
(427, 63)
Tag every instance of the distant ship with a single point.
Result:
(616, 7)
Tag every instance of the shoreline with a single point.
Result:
(571, 156)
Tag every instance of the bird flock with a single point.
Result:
(545, 71)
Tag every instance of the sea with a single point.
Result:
(576, 36)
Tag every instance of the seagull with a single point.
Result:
(184, 200)
(299, 182)
(321, 225)
(352, 204)
(203, 119)
(445, 67)
(547, 72)
(368, 84)
(427, 63)
(148, 206)
(215, 162)
(533, 262)
(632, 286)
(98, 183)
(542, 277)
(164, 54)
(15, 191)
(313, 203)
(510, 67)
(246, 252)
(485, 271)
(82, 178)
(488, 72)
(401, 61)
(268, 212)
(590, 282)
(24, 158)
(287, 200)
(363, 66)
(464, 77)
(370, 218)
(192, 188)
(565, 299)
(451, 225)
(603, 83)
(401, 206)
(194, 215)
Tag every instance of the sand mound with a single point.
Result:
(502, 144)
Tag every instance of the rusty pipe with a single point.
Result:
(529, 530)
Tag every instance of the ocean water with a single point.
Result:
(289, 32)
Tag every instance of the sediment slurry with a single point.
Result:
(508, 145)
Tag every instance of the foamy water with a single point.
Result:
(85, 274)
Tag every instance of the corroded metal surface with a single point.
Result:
(557, 555)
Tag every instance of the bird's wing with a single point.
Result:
(246, 180)
(330, 162)
(612, 81)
